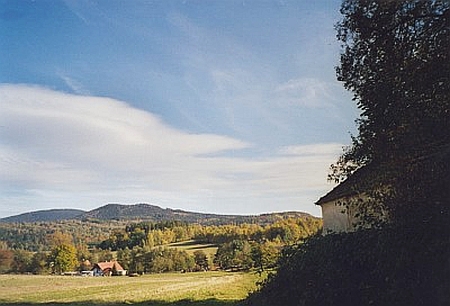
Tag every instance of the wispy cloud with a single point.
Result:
(307, 92)
(65, 147)
(253, 99)
(319, 149)
(80, 9)
(76, 86)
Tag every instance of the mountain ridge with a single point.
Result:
(145, 212)
(46, 215)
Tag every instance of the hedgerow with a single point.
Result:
(390, 266)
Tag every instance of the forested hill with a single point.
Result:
(146, 212)
(96, 228)
(45, 216)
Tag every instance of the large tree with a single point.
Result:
(63, 258)
(396, 61)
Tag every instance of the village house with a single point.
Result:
(342, 206)
(108, 268)
(362, 193)
(336, 217)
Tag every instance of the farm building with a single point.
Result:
(108, 268)
(363, 192)
(342, 206)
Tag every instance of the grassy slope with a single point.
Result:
(190, 246)
(212, 288)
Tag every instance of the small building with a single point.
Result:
(335, 215)
(343, 205)
(363, 193)
(108, 268)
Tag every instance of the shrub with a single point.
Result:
(391, 266)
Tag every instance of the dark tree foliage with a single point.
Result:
(151, 226)
(396, 61)
(201, 260)
(21, 261)
(39, 263)
(368, 267)
(235, 255)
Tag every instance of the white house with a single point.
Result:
(343, 205)
(337, 217)
(363, 192)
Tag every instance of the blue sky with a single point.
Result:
(212, 106)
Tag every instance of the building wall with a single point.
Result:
(121, 272)
(342, 218)
(335, 218)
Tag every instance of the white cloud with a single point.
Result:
(313, 149)
(66, 149)
(107, 133)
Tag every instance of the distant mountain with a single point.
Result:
(125, 212)
(45, 216)
(152, 213)
(147, 212)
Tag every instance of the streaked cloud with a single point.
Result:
(307, 92)
(219, 107)
(318, 149)
(59, 149)
(75, 85)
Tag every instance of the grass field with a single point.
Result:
(195, 289)
(190, 246)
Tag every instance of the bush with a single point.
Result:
(391, 266)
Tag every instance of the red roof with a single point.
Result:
(109, 265)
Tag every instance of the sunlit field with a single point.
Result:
(202, 288)
(191, 246)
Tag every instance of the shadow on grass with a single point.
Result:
(193, 245)
(209, 302)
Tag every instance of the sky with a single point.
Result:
(218, 106)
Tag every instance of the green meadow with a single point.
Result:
(190, 246)
(195, 289)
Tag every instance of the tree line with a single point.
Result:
(284, 231)
(144, 247)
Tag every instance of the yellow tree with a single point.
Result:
(63, 258)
